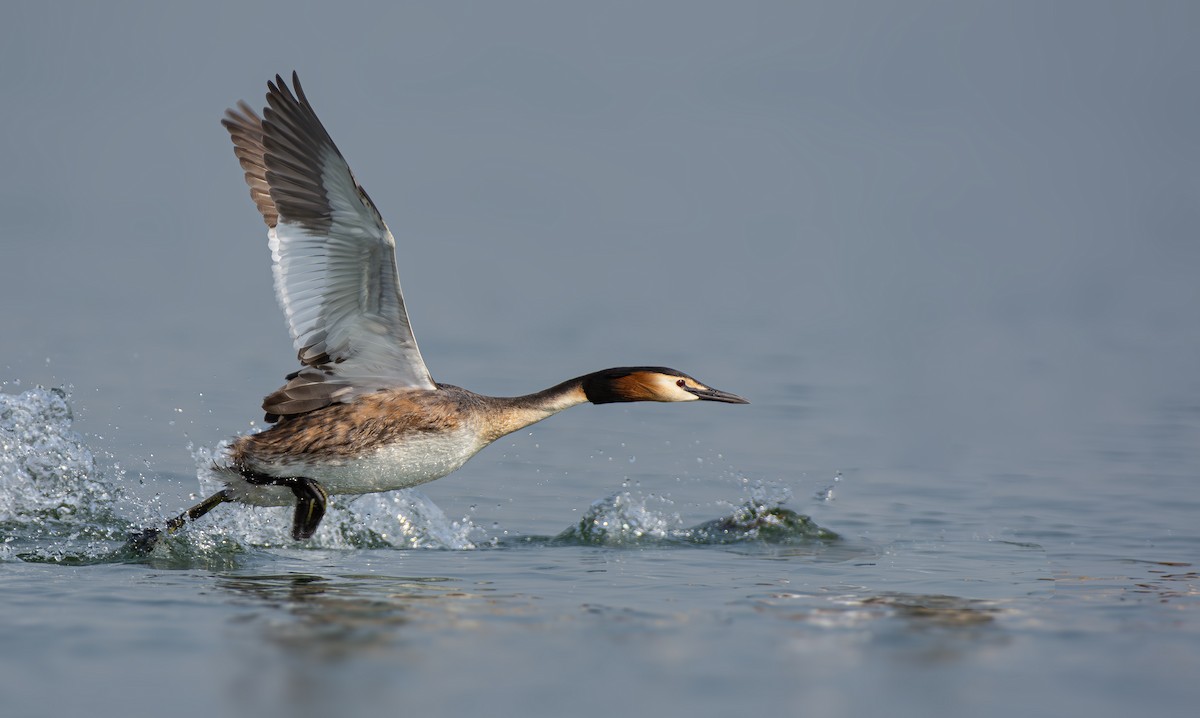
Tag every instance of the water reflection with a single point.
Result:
(315, 643)
(922, 627)
(331, 617)
(935, 611)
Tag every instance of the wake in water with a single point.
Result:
(57, 504)
(625, 519)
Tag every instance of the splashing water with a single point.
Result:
(828, 492)
(46, 471)
(626, 519)
(50, 486)
(621, 519)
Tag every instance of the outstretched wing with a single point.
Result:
(334, 258)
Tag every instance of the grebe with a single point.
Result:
(362, 414)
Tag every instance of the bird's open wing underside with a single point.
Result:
(334, 258)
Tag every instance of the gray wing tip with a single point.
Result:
(278, 90)
(297, 154)
(296, 86)
(286, 138)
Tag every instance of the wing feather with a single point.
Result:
(333, 258)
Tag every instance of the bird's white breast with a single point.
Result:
(420, 458)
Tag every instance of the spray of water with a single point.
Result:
(53, 496)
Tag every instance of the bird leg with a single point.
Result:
(311, 499)
(199, 510)
(143, 541)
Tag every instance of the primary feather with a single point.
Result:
(334, 259)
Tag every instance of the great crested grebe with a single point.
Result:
(362, 414)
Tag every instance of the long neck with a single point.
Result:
(507, 414)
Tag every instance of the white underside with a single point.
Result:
(418, 460)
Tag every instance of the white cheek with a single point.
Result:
(671, 391)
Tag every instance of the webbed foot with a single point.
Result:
(311, 499)
(143, 542)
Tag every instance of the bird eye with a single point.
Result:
(681, 383)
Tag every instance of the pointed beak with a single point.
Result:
(717, 395)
